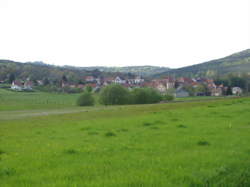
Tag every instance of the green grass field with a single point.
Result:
(10, 100)
(192, 144)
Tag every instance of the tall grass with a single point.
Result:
(177, 144)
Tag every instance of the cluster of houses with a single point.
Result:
(177, 85)
(19, 86)
(163, 85)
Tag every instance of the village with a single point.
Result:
(178, 87)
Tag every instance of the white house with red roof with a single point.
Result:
(119, 80)
(17, 85)
(28, 85)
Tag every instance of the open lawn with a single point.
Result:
(12, 100)
(192, 144)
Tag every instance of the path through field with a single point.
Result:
(8, 115)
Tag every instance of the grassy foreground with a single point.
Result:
(177, 144)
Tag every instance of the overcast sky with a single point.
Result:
(172, 33)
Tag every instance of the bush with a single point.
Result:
(145, 96)
(203, 143)
(110, 134)
(114, 94)
(88, 88)
(86, 99)
(168, 97)
(70, 151)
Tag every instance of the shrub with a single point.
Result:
(110, 134)
(7, 172)
(147, 124)
(168, 97)
(203, 143)
(1, 152)
(182, 126)
(145, 96)
(70, 151)
(86, 99)
(114, 94)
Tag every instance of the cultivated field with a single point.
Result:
(47, 141)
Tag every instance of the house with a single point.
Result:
(119, 80)
(40, 82)
(180, 92)
(160, 87)
(81, 86)
(108, 80)
(138, 80)
(65, 84)
(237, 91)
(170, 82)
(28, 85)
(89, 79)
(72, 86)
(217, 91)
(98, 81)
(16, 85)
(185, 81)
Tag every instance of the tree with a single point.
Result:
(64, 78)
(237, 81)
(168, 97)
(114, 94)
(229, 91)
(190, 90)
(86, 99)
(145, 96)
(88, 88)
(46, 81)
(139, 96)
(201, 89)
(170, 91)
(11, 78)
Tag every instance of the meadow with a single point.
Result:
(193, 144)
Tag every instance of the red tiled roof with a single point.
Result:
(28, 83)
(89, 77)
(17, 82)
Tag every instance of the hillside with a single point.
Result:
(237, 63)
(39, 71)
(136, 70)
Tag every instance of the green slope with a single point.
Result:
(236, 63)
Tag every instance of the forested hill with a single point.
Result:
(40, 71)
(237, 63)
(136, 70)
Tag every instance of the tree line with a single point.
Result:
(116, 94)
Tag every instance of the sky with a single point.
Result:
(170, 33)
